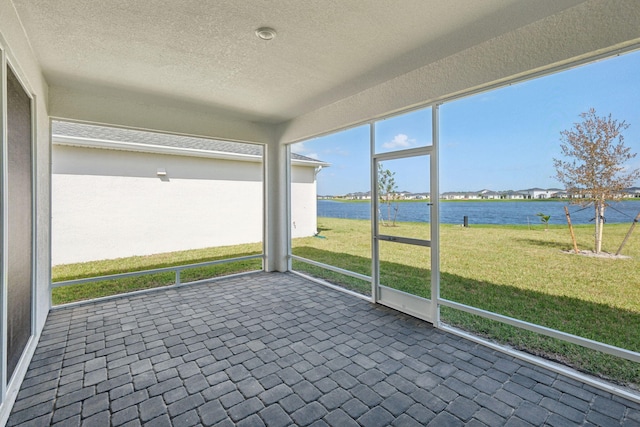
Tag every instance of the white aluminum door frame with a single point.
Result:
(426, 309)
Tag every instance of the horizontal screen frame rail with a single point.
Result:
(332, 268)
(406, 240)
(543, 330)
(177, 269)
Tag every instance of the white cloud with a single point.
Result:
(336, 150)
(399, 141)
(298, 148)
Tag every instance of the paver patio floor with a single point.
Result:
(274, 349)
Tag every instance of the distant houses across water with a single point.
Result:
(530, 193)
(527, 194)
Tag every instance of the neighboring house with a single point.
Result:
(121, 192)
(358, 196)
(460, 195)
(557, 192)
(513, 195)
(490, 195)
(452, 195)
(417, 196)
(632, 192)
(538, 193)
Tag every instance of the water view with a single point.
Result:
(490, 212)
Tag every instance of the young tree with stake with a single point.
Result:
(387, 189)
(593, 168)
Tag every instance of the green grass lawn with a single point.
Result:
(518, 271)
(73, 293)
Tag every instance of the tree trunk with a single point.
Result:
(599, 224)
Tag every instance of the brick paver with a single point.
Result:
(274, 349)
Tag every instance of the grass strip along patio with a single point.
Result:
(72, 293)
(518, 271)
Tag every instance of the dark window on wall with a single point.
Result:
(20, 227)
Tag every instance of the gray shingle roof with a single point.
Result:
(86, 131)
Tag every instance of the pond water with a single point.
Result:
(489, 212)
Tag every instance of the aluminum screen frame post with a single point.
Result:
(4, 264)
(435, 215)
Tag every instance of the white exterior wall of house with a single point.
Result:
(304, 201)
(537, 193)
(129, 210)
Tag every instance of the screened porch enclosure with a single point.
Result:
(273, 75)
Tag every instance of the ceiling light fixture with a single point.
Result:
(266, 33)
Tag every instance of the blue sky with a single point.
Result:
(504, 139)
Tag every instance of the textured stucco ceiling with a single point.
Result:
(206, 52)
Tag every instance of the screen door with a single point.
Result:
(402, 229)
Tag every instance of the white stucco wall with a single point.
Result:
(111, 203)
(304, 206)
